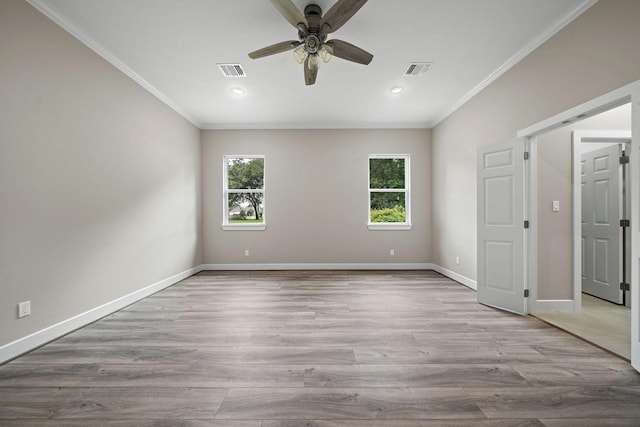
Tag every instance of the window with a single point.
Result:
(243, 193)
(389, 195)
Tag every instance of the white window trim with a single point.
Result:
(407, 190)
(225, 195)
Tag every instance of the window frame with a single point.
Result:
(226, 225)
(406, 225)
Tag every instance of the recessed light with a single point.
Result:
(238, 91)
(396, 90)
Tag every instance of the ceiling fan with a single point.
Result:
(313, 29)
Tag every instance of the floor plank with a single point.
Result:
(559, 402)
(356, 403)
(152, 375)
(131, 423)
(110, 403)
(168, 355)
(413, 376)
(404, 423)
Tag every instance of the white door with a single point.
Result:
(501, 229)
(601, 214)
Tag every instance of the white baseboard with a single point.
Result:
(470, 283)
(320, 266)
(554, 305)
(35, 340)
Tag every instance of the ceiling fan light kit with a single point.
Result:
(300, 54)
(313, 29)
(326, 53)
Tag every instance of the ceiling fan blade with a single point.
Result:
(290, 12)
(310, 71)
(275, 48)
(347, 51)
(340, 13)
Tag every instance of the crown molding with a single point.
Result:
(311, 126)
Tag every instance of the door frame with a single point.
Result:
(629, 93)
(579, 137)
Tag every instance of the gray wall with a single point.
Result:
(555, 239)
(596, 53)
(99, 180)
(316, 197)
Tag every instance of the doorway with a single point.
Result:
(598, 196)
(578, 169)
(629, 94)
(536, 300)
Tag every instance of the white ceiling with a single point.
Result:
(172, 47)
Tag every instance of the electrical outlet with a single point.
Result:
(392, 252)
(246, 252)
(24, 309)
(458, 260)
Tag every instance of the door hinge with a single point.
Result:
(526, 155)
(625, 287)
(526, 293)
(625, 223)
(526, 224)
(624, 160)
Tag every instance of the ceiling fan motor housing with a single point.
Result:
(312, 38)
(313, 13)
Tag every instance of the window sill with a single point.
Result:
(388, 226)
(244, 227)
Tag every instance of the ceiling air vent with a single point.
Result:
(418, 68)
(232, 70)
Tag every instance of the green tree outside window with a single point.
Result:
(245, 189)
(388, 189)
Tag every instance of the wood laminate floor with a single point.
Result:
(323, 349)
